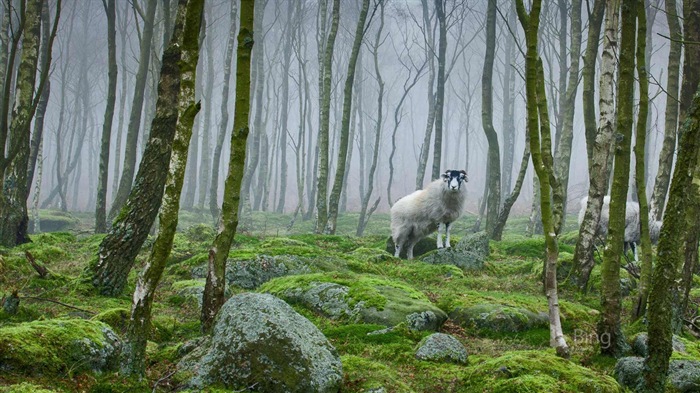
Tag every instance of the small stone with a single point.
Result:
(442, 347)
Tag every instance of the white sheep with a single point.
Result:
(632, 224)
(422, 212)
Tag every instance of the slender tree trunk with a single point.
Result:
(494, 180)
(640, 163)
(223, 123)
(508, 113)
(204, 173)
(139, 326)
(213, 297)
(132, 135)
(122, 102)
(324, 123)
(339, 180)
(440, 91)
(430, 122)
(598, 142)
(101, 208)
(611, 298)
(541, 148)
(663, 293)
(562, 156)
(663, 176)
(286, 60)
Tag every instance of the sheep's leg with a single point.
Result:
(447, 234)
(409, 251)
(397, 250)
(634, 250)
(439, 236)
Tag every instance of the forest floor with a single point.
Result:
(514, 358)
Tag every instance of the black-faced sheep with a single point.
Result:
(632, 224)
(419, 214)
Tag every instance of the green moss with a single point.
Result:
(116, 318)
(362, 374)
(49, 346)
(25, 387)
(536, 371)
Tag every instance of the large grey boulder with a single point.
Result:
(250, 274)
(259, 342)
(359, 298)
(440, 347)
(470, 253)
(640, 344)
(683, 375)
(498, 318)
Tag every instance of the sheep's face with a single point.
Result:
(454, 179)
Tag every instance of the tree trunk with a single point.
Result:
(132, 134)
(663, 293)
(284, 127)
(440, 91)
(541, 148)
(101, 208)
(324, 123)
(600, 144)
(13, 166)
(508, 116)
(430, 122)
(339, 180)
(611, 297)
(494, 179)
(139, 326)
(223, 123)
(119, 248)
(213, 297)
(204, 173)
(663, 176)
(122, 101)
(562, 157)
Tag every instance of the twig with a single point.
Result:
(41, 270)
(168, 375)
(60, 303)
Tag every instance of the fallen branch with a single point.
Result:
(59, 303)
(40, 269)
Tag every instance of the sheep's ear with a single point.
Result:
(463, 175)
(445, 177)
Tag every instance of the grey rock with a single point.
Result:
(640, 346)
(498, 318)
(477, 243)
(683, 375)
(465, 260)
(426, 320)
(259, 341)
(250, 274)
(442, 347)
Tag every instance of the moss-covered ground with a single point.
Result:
(499, 361)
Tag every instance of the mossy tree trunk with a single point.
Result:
(223, 118)
(185, 39)
(598, 136)
(14, 158)
(668, 147)
(639, 155)
(494, 160)
(611, 296)
(101, 208)
(562, 156)
(440, 12)
(130, 229)
(213, 297)
(663, 293)
(339, 180)
(541, 148)
(132, 134)
(324, 122)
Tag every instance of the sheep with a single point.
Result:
(422, 212)
(632, 224)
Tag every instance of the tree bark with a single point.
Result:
(440, 90)
(204, 173)
(139, 326)
(493, 181)
(508, 114)
(101, 208)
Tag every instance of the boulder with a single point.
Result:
(683, 375)
(250, 274)
(639, 344)
(470, 253)
(358, 298)
(498, 318)
(440, 347)
(258, 341)
(57, 346)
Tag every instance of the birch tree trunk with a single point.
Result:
(213, 297)
(185, 41)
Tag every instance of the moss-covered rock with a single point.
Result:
(440, 347)
(536, 371)
(54, 221)
(250, 274)
(498, 318)
(258, 340)
(116, 318)
(640, 344)
(464, 260)
(683, 375)
(53, 346)
(25, 387)
(354, 297)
